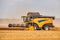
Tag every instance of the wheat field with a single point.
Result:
(53, 34)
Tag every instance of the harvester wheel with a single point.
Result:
(36, 27)
(46, 27)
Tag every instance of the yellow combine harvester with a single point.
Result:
(35, 21)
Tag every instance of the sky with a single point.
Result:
(17, 8)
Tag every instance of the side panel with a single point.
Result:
(42, 21)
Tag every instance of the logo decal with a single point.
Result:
(41, 20)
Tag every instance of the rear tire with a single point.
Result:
(46, 27)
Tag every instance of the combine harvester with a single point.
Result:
(35, 21)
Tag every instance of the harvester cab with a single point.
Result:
(25, 18)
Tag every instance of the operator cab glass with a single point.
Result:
(26, 19)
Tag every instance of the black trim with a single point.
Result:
(50, 25)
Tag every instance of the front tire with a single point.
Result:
(36, 27)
